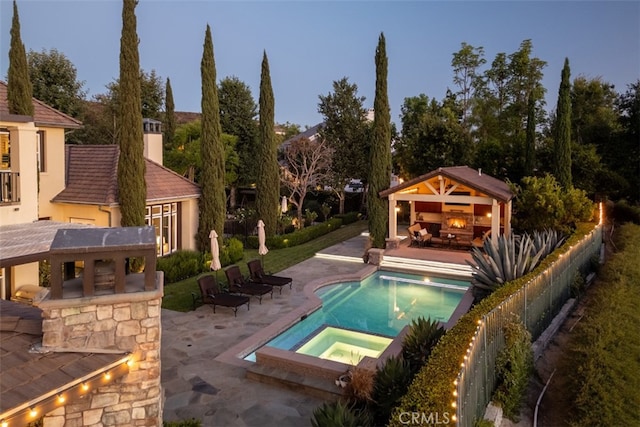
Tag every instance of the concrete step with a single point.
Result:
(449, 269)
(316, 387)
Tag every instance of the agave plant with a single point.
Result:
(423, 335)
(510, 257)
(338, 414)
(391, 383)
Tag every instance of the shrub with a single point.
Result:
(541, 203)
(234, 250)
(180, 265)
(422, 336)
(624, 212)
(349, 217)
(514, 366)
(298, 237)
(390, 384)
(336, 414)
(360, 386)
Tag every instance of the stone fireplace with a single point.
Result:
(459, 224)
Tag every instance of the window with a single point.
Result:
(41, 153)
(5, 149)
(165, 219)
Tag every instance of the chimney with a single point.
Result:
(152, 130)
(479, 171)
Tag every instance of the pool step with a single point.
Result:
(313, 386)
(448, 269)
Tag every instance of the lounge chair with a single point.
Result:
(257, 275)
(210, 293)
(239, 285)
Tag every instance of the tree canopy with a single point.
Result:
(55, 81)
(345, 133)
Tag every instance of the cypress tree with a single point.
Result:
(131, 164)
(169, 116)
(530, 142)
(19, 88)
(213, 196)
(562, 146)
(268, 176)
(380, 171)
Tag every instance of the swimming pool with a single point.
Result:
(361, 318)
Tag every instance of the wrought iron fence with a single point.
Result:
(536, 303)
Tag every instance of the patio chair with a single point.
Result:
(478, 242)
(413, 232)
(210, 293)
(239, 285)
(257, 275)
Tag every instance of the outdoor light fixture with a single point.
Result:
(85, 386)
(33, 412)
(3, 423)
(107, 376)
(60, 398)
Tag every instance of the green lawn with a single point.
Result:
(177, 296)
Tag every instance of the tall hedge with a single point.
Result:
(380, 164)
(132, 189)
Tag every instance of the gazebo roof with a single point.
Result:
(465, 175)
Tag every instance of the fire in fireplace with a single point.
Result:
(457, 223)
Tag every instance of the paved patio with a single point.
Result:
(198, 386)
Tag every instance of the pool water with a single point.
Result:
(379, 306)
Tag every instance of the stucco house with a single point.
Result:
(42, 179)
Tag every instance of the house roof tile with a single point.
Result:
(471, 177)
(30, 376)
(92, 178)
(43, 115)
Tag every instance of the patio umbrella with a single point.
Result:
(262, 247)
(215, 252)
(283, 207)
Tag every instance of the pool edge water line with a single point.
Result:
(236, 353)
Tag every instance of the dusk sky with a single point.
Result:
(310, 44)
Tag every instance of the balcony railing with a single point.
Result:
(9, 187)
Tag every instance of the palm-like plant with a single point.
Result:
(423, 335)
(391, 383)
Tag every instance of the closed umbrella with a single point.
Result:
(262, 247)
(283, 207)
(215, 252)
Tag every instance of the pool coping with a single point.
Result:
(305, 364)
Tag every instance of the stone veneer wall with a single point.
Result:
(124, 323)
